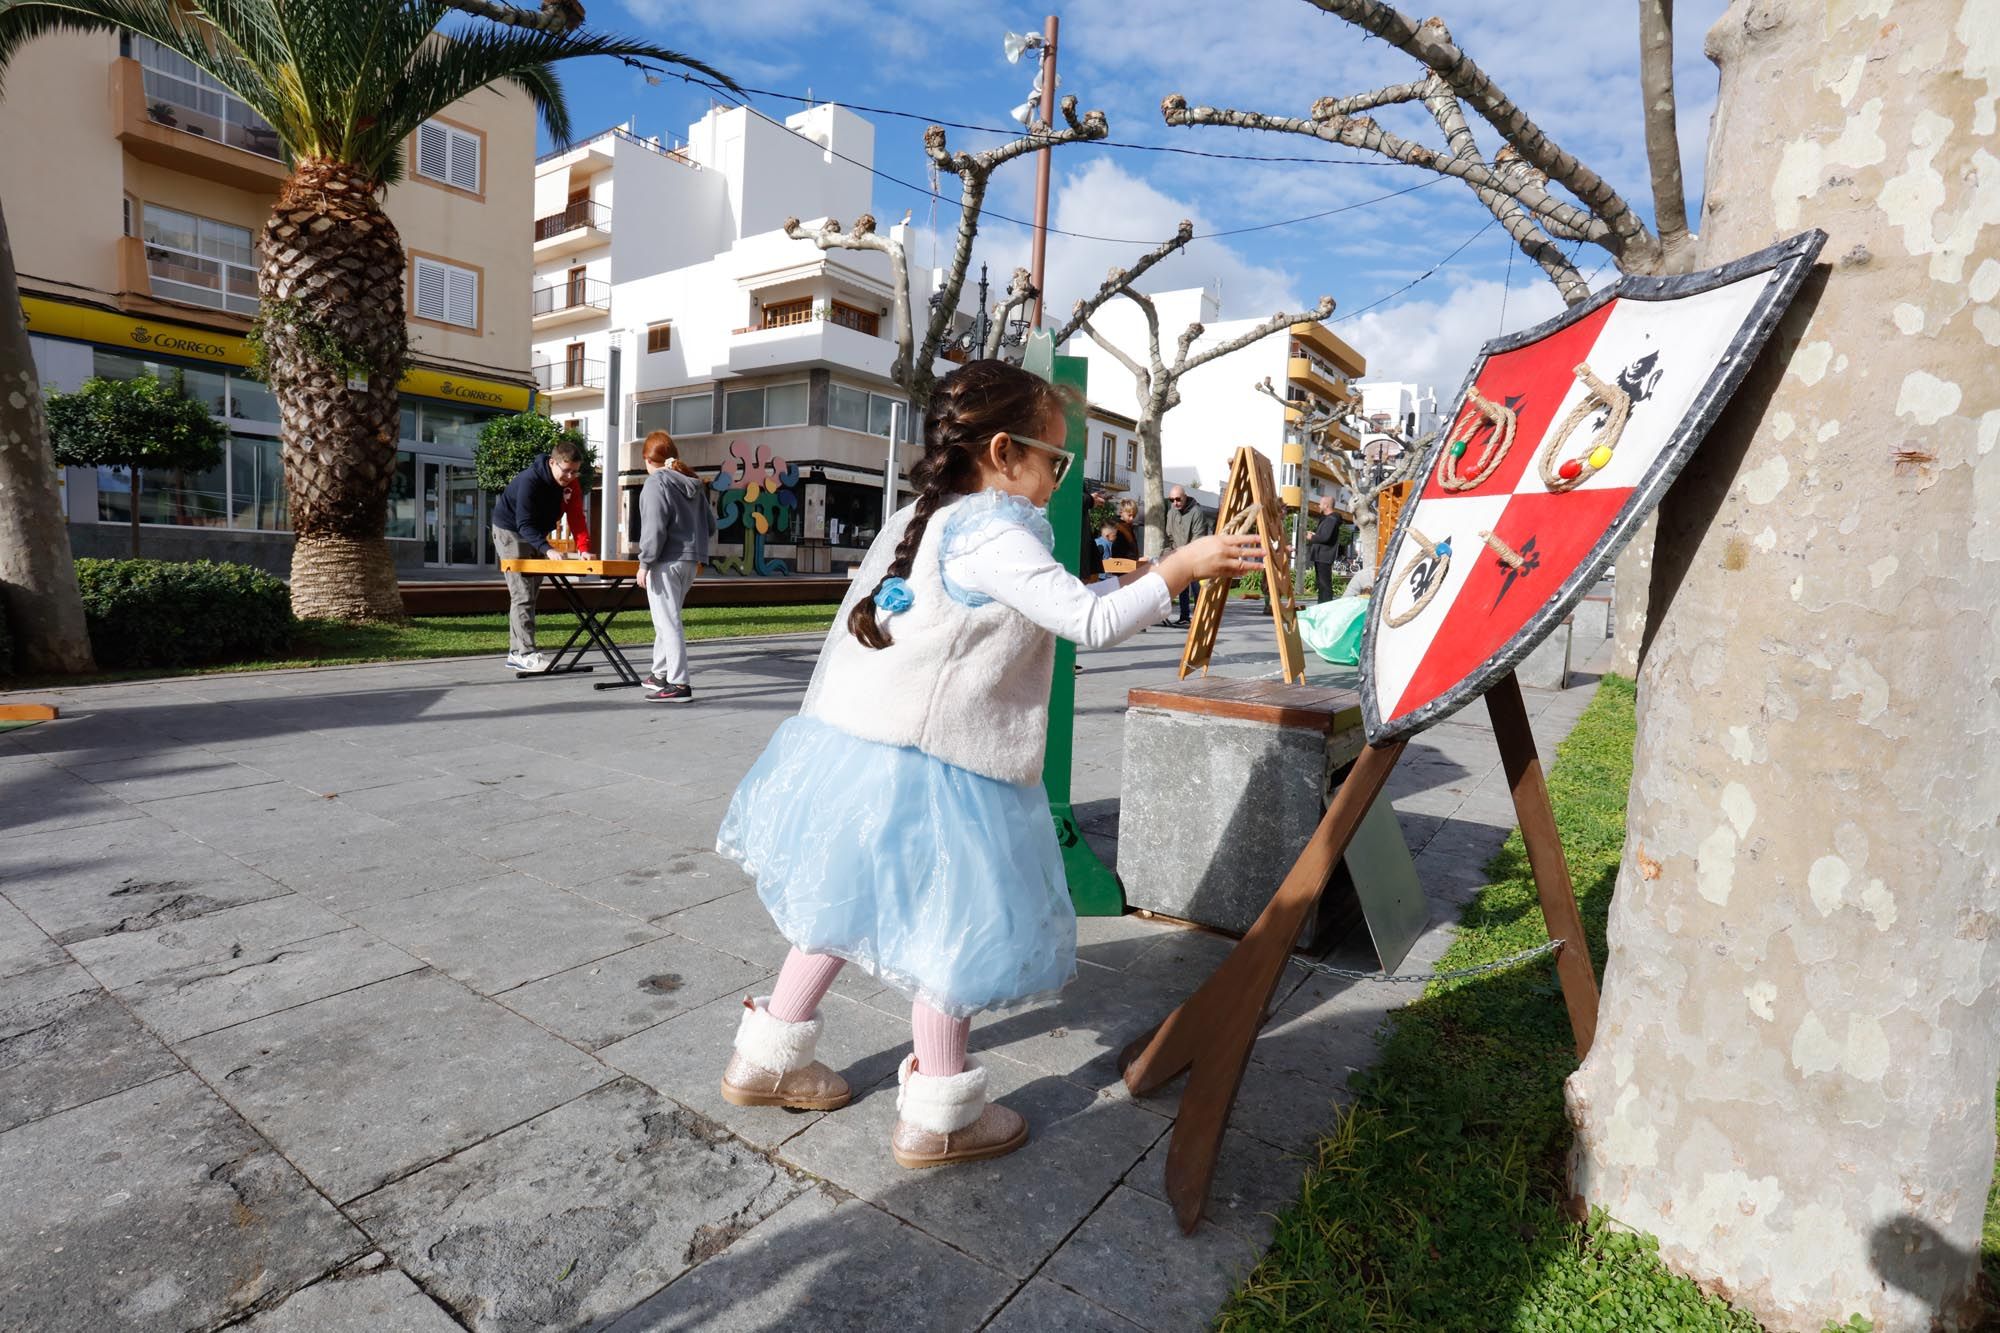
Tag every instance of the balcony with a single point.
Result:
(572, 377)
(1317, 375)
(579, 227)
(568, 301)
(791, 342)
(182, 126)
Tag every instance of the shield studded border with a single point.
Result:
(1789, 261)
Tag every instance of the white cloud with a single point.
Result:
(1432, 341)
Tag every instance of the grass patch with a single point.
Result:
(335, 643)
(1434, 1203)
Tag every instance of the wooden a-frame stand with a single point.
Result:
(1250, 500)
(1212, 1032)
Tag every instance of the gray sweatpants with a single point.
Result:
(666, 594)
(522, 590)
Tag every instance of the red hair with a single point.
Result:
(661, 451)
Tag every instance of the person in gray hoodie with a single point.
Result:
(676, 525)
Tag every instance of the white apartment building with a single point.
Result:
(1411, 409)
(1112, 462)
(1221, 408)
(667, 296)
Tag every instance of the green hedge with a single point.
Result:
(181, 613)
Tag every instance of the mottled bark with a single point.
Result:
(1663, 144)
(37, 573)
(1020, 291)
(1793, 1079)
(1122, 279)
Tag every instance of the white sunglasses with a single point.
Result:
(1063, 457)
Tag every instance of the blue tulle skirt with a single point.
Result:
(942, 883)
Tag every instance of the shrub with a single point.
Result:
(508, 444)
(168, 613)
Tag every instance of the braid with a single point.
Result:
(967, 408)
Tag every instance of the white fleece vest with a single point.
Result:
(968, 685)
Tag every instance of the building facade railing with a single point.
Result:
(582, 213)
(182, 97)
(569, 373)
(570, 294)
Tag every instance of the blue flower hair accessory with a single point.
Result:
(894, 595)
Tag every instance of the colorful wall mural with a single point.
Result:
(756, 491)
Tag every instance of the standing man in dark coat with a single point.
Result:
(523, 517)
(1324, 548)
(1187, 523)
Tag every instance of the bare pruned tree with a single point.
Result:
(1363, 478)
(915, 367)
(1157, 382)
(1514, 183)
(1021, 291)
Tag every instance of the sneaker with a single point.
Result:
(672, 694)
(527, 661)
(651, 681)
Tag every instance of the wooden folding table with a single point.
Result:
(592, 626)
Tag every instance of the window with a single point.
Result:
(1108, 449)
(451, 425)
(403, 497)
(852, 317)
(692, 414)
(199, 260)
(753, 409)
(783, 314)
(448, 155)
(257, 485)
(183, 97)
(859, 410)
(1131, 454)
(445, 292)
(659, 337)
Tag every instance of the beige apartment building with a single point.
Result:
(135, 189)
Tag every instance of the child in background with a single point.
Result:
(899, 821)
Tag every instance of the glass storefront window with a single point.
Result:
(257, 485)
(452, 426)
(185, 499)
(693, 414)
(251, 400)
(847, 408)
(403, 496)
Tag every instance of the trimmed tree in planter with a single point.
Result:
(508, 444)
(134, 424)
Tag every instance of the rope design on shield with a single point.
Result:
(1437, 554)
(1573, 472)
(1501, 418)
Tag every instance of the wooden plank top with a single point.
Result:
(1274, 702)
(623, 569)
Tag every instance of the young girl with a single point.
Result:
(676, 524)
(899, 821)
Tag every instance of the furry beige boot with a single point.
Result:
(773, 1064)
(940, 1121)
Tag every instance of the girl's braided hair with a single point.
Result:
(968, 408)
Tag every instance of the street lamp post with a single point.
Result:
(1045, 88)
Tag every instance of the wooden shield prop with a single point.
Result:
(1563, 439)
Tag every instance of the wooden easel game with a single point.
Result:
(1250, 500)
(1564, 439)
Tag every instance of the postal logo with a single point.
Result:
(470, 394)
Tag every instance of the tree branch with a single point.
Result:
(1663, 145)
(1364, 134)
(1121, 279)
(1326, 108)
(863, 236)
(552, 16)
(1020, 291)
(1118, 354)
(1432, 44)
(1183, 363)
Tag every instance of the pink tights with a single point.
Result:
(939, 1038)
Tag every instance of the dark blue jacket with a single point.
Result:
(532, 504)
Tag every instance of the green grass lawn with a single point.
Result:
(332, 643)
(1434, 1204)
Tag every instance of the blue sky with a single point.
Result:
(1571, 63)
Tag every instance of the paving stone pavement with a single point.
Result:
(395, 997)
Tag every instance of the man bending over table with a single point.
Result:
(524, 516)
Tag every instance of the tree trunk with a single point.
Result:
(37, 573)
(331, 281)
(1793, 1079)
(1629, 598)
(1153, 501)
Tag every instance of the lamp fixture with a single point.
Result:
(1015, 43)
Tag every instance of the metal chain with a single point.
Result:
(1511, 960)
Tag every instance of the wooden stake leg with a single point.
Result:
(1545, 857)
(1213, 1030)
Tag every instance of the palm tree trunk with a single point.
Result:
(38, 592)
(330, 276)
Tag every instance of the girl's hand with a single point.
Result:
(1230, 556)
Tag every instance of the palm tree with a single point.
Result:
(345, 85)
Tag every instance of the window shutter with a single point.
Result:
(465, 160)
(434, 151)
(464, 298)
(430, 281)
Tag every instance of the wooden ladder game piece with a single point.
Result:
(1250, 499)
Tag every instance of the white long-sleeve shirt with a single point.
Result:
(1013, 568)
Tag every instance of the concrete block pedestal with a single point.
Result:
(1224, 782)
